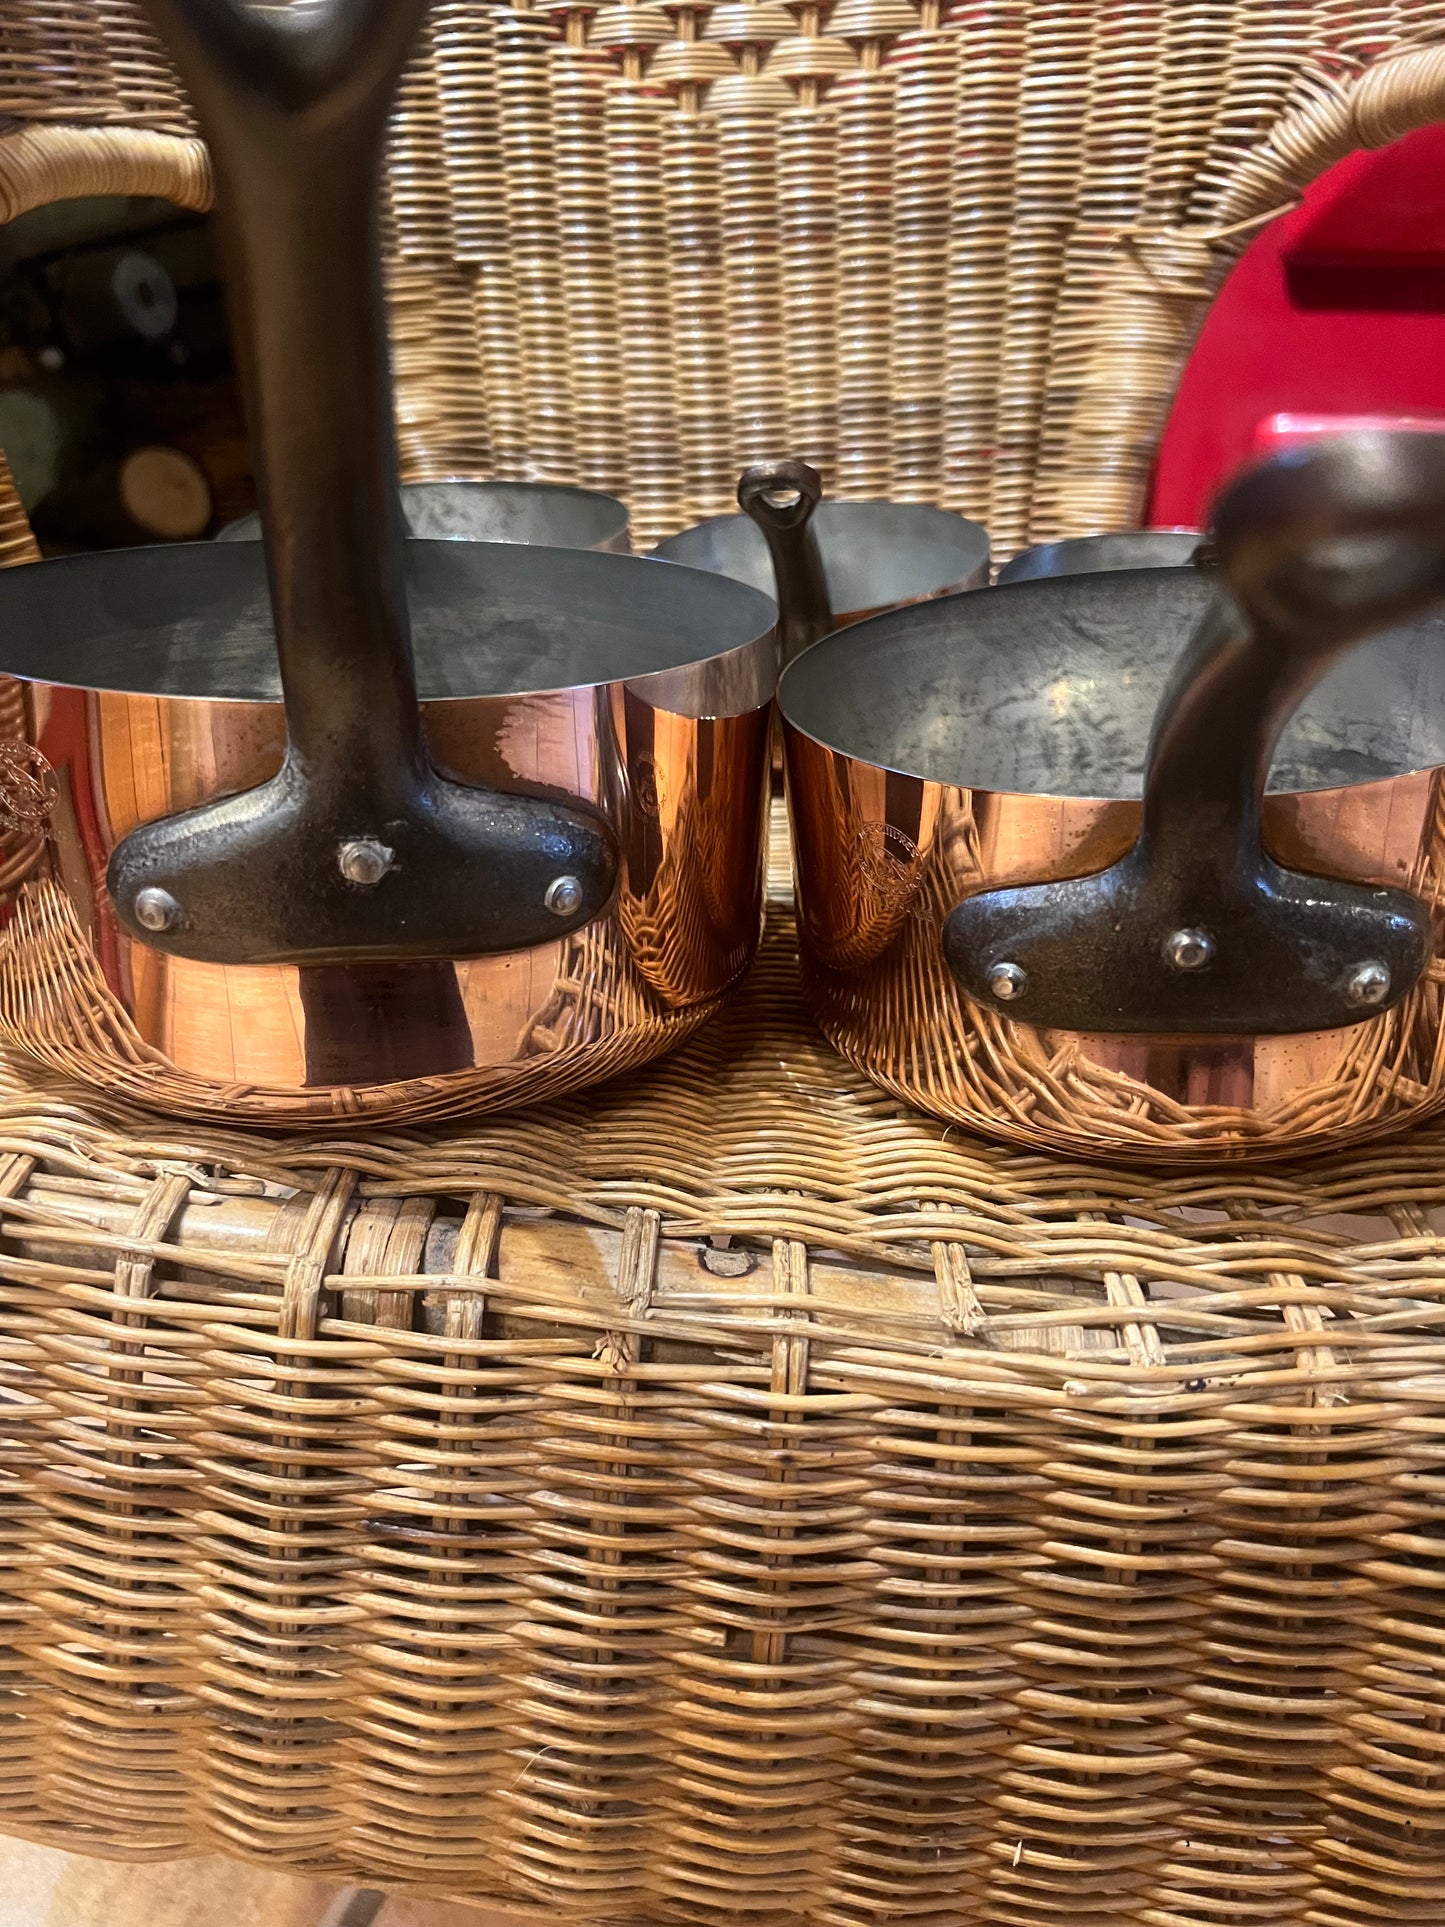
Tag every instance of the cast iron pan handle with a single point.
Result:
(357, 848)
(780, 497)
(1196, 929)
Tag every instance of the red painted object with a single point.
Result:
(1336, 310)
(1288, 431)
(1377, 239)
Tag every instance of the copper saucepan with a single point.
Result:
(1064, 884)
(280, 887)
(831, 563)
(548, 514)
(1102, 554)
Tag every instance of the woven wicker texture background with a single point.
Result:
(974, 1539)
(949, 254)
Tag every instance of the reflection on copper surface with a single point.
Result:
(863, 839)
(881, 860)
(685, 795)
(693, 829)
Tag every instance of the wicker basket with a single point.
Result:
(952, 258)
(728, 1495)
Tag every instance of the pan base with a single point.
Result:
(352, 1047)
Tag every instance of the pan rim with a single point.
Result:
(667, 622)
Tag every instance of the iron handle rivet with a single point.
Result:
(1188, 949)
(156, 909)
(365, 861)
(564, 896)
(1369, 983)
(1008, 982)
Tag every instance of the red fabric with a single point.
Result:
(1369, 242)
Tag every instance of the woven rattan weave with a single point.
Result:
(952, 255)
(971, 1539)
(728, 1495)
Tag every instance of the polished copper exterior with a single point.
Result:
(881, 860)
(684, 792)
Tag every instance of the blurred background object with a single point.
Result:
(1334, 310)
(118, 407)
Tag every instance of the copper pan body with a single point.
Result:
(881, 858)
(876, 556)
(676, 761)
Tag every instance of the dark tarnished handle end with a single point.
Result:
(780, 498)
(779, 495)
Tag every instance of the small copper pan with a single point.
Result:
(829, 564)
(1103, 554)
(1069, 878)
(546, 514)
(359, 826)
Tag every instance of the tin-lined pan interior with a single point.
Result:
(1050, 688)
(487, 619)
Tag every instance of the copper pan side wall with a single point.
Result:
(685, 797)
(881, 861)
